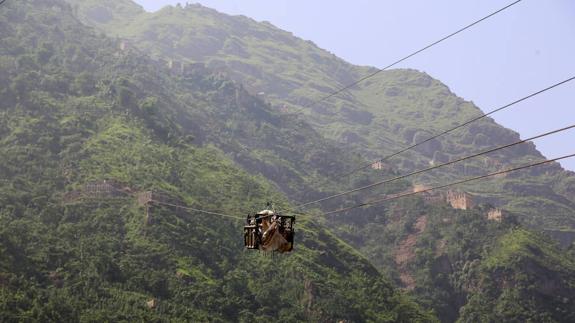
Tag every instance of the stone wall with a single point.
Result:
(460, 200)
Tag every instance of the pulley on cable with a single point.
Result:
(269, 230)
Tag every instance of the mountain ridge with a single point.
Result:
(76, 110)
(204, 139)
(380, 116)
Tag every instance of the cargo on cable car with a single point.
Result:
(269, 230)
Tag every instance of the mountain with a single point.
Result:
(375, 118)
(466, 267)
(87, 130)
(538, 274)
(157, 102)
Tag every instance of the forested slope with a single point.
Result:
(80, 109)
(433, 251)
(376, 118)
(76, 111)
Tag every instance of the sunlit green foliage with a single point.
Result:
(75, 110)
(379, 116)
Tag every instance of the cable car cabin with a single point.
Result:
(269, 231)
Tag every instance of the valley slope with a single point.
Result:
(80, 107)
(375, 118)
(86, 128)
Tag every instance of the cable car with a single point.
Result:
(269, 231)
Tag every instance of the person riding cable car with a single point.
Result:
(269, 231)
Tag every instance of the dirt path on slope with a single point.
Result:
(406, 253)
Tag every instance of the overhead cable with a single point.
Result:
(409, 56)
(437, 166)
(197, 210)
(180, 206)
(397, 196)
(419, 143)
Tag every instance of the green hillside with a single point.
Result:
(540, 278)
(378, 117)
(77, 111)
(89, 98)
(466, 267)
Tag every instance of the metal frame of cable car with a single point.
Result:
(258, 225)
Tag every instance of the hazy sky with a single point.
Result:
(526, 48)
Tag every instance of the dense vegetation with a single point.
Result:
(77, 108)
(466, 267)
(539, 276)
(388, 112)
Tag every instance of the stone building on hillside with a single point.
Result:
(160, 197)
(433, 198)
(148, 199)
(457, 200)
(430, 197)
(495, 215)
(378, 165)
(460, 200)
